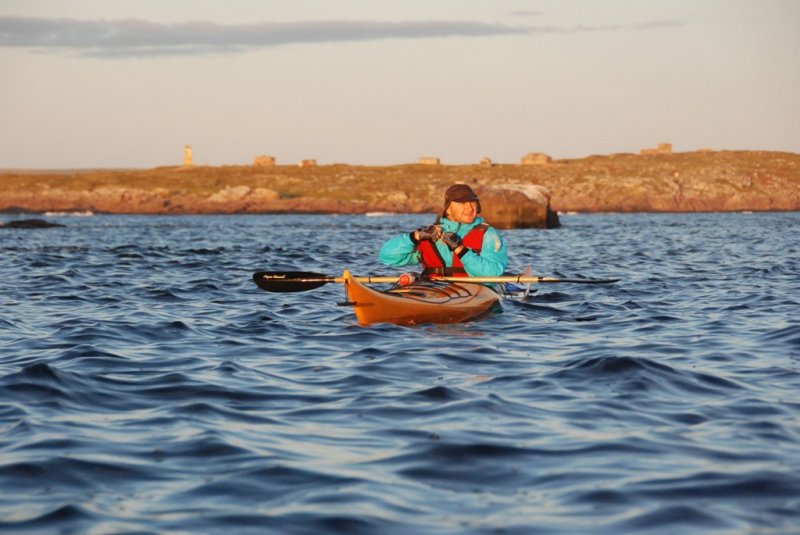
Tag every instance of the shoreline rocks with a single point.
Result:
(529, 194)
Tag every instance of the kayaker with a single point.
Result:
(460, 243)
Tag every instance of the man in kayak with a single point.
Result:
(461, 243)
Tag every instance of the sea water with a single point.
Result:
(147, 385)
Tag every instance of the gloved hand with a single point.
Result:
(452, 240)
(431, 232)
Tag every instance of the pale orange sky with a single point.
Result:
(128, 84)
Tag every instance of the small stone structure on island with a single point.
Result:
(187, 156)
(307, 163)
(662, 148)
(429, 160)
(536, 158)
(264, 161)
(486, 162)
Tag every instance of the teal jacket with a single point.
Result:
(491, 262)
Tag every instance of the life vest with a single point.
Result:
(433, 263)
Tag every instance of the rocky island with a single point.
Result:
(669, 182)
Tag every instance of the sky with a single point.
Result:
(127, 84)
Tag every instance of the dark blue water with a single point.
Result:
(147, 385)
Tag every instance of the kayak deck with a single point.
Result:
(420, 302)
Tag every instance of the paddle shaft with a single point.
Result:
(480, 280)
(523, 279)
(298, 281)
(339, 280)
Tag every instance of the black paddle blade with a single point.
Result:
(290, 281)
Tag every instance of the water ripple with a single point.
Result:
(147, 386)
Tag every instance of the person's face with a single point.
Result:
(462, 212)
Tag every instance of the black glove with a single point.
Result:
(430, 232)
(452, 241)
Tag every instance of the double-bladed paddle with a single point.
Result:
(300, 281)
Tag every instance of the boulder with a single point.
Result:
(264, 194)
(230, 193)
(517, 206)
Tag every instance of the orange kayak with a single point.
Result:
(420, 302)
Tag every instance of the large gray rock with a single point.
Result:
(30, 223)
(517, 206)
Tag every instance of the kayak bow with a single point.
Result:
(420, 302)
